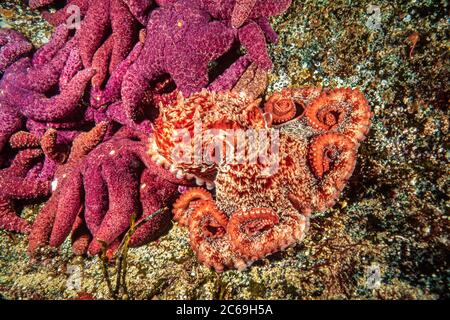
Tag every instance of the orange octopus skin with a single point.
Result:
(290, 103)
(259, 232)
(209, 239)
(181, 206)
(219, 111)
(268, 213)
(282, 110)
(330, 110)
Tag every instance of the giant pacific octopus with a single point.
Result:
(256, 212)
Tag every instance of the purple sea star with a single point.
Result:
(18, 181)
(181, 40)
(13, 45)
(26, 85)
(66, 178)
(117, 179)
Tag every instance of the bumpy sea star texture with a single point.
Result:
(203, 31)
(67, 175)
(112, 20)
(263, 206)
(250, 18)
(27, 84)
(97, 196)
(21, 180)
(181, 40)
(13, 45)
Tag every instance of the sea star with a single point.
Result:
(117, 180)
(181, 40)
(117, 21)
(25, 86)
(251, 19)
(13, 45)
(139, 8)
(262, 205)
(18, 182)
(66, 177)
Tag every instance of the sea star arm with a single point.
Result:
(100, 63)
(190, 74)
(124, 32)
(266, 27)
(43, 78)
(123, 187)
(80, 236)
(22, 163)
(57, 41)
(9, 220)
(10, 121)
(72, 67)
(270, 8)
(155, 192)
(254, 40)
(133, 89)
(139, 9)
(62, 15)
(93, 29)
(111, 93)
(241, 11)
(40, 108)
(12, 46)
(42, 226)
(96, 195)
(231, 76)
(211, 40)
(69, 206)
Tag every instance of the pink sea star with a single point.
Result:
(19, 181)
(13, 45)
(25, 86)
(117, 180)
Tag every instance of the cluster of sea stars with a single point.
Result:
(89, 99)
(76, 80)
(263, 206)
(99, 189)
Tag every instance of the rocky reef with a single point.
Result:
(386, 237)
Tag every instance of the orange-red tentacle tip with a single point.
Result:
(281, 108)
(186, 201)
(251, 232)
(332, 152)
